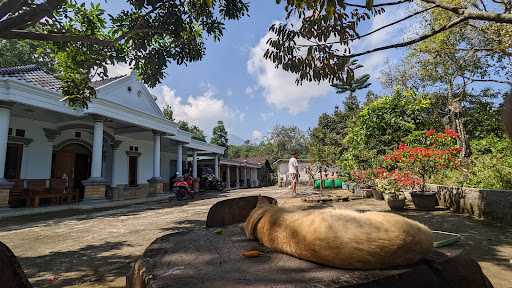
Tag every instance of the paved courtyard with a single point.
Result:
(95, 249)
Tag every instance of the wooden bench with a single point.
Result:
(54, 189)
(18, 196)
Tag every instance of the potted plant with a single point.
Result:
(363, 182)
(390, 184)
(427, 154)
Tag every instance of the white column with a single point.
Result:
(245, 177)
(97, 150)
(179, 160)
(216, 166)
(156, 155)
(115, 151)
(5, 116)
(237, 176)
(228, 177)
(194, 165)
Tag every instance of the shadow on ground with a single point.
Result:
(91, 263)
(482, 240)
(48, 219)
(99, 263)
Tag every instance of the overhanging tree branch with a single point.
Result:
(378, 5)
(509, 83)
(31, 16)
(395, 22)
(50, 37)
(412, 41)
(8, 6)
(473, 15)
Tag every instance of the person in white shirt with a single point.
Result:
(293, 171)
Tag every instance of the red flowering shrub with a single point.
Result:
(437, 151)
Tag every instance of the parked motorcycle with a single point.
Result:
(209, 181)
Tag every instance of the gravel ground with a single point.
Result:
(95, 249)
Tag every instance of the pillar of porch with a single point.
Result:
(179, 160)
(156, 183)
(228, 177)
(194, 165)
(95, 186)
(246, 184)
(216, 166)
(5, 186)
(237, 177)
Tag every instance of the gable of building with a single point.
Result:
(129, 92)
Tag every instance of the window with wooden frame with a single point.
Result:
(13, 159)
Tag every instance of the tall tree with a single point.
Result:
(168, 113)
(19, 53)
(220, 135)
(285, 140)
(147, 35)
(197, 133)
(449, 66)
(320, 48)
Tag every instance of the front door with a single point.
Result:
(73, 160)
(82, 172)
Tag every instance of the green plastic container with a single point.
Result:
(329, 183)
(316, 184)
(338, 183)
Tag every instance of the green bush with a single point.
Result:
(490, 166)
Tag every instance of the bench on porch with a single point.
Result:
(31, 191)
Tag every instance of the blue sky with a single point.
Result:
(235, 84)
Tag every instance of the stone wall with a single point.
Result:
(494, 205)
(125, 192)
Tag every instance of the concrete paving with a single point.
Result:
(95, 248)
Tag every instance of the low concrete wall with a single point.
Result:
(494, 205)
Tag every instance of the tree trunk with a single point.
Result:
(457, 122)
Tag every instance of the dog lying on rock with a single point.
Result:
(340, 238)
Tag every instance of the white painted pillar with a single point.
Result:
(245, 177)
(216, 166)
(179, 160)
(5, 116)
(237, 176)
(228, 177)
(194, 165)
(115, 157)
(97, 150)
(156, 155)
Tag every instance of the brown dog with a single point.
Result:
(340, 238)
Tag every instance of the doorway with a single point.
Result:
(73, 160)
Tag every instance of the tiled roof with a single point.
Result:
(37, 76)
(32, 74)
(99, 83)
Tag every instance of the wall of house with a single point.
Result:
(37, 157)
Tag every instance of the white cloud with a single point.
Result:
(119, 69)
(279, 88)
(266, 116)
(203, 110)
(251, 91)
(257, 135)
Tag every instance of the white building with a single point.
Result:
(120, 147)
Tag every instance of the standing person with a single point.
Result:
(293, 171)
